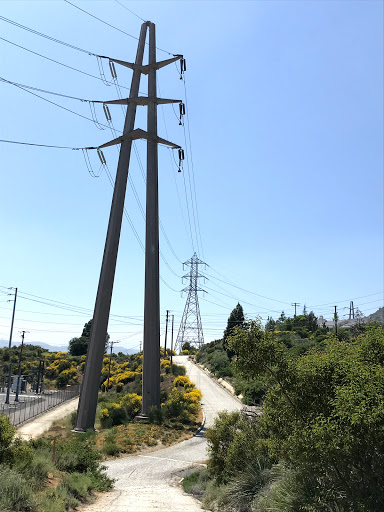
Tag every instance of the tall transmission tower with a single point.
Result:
(190, 327)
(151, 347)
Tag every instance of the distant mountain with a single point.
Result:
(51, 348)
(64, 348)
(378, 316)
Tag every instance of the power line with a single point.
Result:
(37, 33)
(52, 102)
(24, 86)
(346, 300)
(39, 145)
(61, 63)
(193, 171)
(173, 174)
(112, 26)
(137, 16)
(244, 290)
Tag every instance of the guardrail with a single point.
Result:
(32, 405)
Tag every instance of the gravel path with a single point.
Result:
(40, 424)
(146, 483)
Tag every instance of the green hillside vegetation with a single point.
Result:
(61, 470)
(319, 444)
(298, 334)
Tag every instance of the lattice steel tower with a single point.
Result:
(190, 327)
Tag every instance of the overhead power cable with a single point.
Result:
(137, 16)
(37, 33)
(346, 300)
(192, 168)
(60, 63)
(247, 291)
(45, 91)
(52, 102)
(39, 145)
(112, 26)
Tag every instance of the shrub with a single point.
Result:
(178, 370)
(112, 414)
(100, 480)
(155, 415)
(7, 431)
(182, 381)
(78, 484)
(234, 441)
(16, 493)
(132, 404)
(77, 455)
(175, 404)
(40, 466)
(20, 453)
(110, 448)
(54, 500)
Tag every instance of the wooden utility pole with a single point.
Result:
(166, 333)
(173, 321)
(295, 304)
(111, 343)
(19, 372)
(335, 318)
(9, 346)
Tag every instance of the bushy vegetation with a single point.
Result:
(319, 444)
(176, 418)
(39, 476)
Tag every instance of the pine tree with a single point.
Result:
(236, 318)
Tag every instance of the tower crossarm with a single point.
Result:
(197, 276)
(148, 67)
(138, 134)
(140, 100)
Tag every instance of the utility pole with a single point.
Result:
(19, 372)
(335, 318)
(173, 321)
(89, 390)
(166, 333)
(111, 343)
(9, 346)
(88, 395)
(295, 304)
(151, 340)
(38, 377)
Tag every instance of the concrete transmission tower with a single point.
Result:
(190, 327)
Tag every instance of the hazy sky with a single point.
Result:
(282, 194)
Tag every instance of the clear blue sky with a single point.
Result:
(285, 107)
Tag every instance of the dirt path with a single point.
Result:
(37, 426)
(146, 483)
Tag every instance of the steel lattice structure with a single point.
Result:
(190, 327)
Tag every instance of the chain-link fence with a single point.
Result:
(30, 405)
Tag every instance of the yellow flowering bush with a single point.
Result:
(183, 380)
(113, 414)
(132, 404)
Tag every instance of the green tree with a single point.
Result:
(324, 414)
(236, 319)
(79, 346)
(270, 324)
